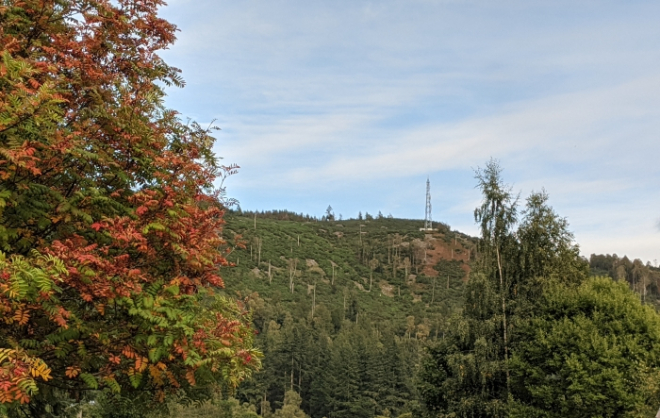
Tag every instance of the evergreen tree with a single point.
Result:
(291, 407)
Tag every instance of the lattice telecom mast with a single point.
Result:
(428, 222)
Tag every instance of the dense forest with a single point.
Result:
(344, 308)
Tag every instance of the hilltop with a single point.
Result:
(383, 268)
(343, 308)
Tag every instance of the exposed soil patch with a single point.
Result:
(386, 289)
(439, 249)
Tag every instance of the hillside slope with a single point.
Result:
(343, 309)
(384, 267)
(342, 305)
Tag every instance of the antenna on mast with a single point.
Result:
(428, 222)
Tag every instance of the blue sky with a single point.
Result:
(354, 103)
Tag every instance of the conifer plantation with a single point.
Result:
(131, 286)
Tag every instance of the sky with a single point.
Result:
(354, 104)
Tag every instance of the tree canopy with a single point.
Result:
(468, 373)
(591, 351)
(110, 224)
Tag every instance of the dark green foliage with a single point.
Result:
(590, 351)
(356, 355)
(464, 373)
(467, 374)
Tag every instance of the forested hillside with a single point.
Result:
(643, 278)
(343, 308)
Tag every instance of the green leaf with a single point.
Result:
(89, 380)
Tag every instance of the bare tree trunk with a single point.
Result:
(360, 235)
(259, 250)
(388, 253)
(433, 292)
(644, 290)
(344, 311)
(333, 274)
(292, 272)
(506, 342)
(314, 300)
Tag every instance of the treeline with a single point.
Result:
(329, 215)
(280, 215)
(644, 279)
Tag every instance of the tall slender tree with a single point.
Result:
(496, 217)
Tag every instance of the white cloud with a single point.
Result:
(328, 102)
(570, 128)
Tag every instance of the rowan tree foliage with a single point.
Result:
(110, 226)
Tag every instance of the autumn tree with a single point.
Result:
(110, 226)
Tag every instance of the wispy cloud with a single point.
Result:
(353, 103)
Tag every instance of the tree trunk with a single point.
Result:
(314, 301)
(506, 342)
(259, 251)
(433, 292)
